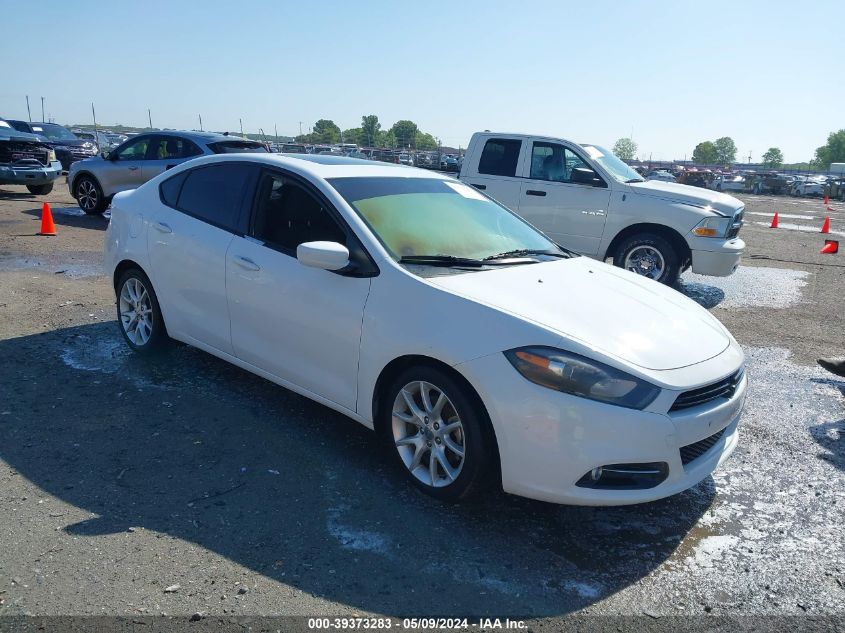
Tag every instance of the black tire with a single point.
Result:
(89, 195)
(158, 339)
(40, 190)
(476, 434)
(671, 257)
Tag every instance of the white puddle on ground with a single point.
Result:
(748, 287)
(791, 216)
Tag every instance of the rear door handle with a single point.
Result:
(246, 262)
(163, 228)
(534, 192)
(480, 187)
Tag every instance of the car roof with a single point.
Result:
(326, 167)
(204, 137)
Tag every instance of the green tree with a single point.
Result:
(354, 135)
(831, 152)
(425, 141)
(386, 138)
(625, 148)
(405, 132)
(370, 128)
(326, 131)
(725, 150)
(773, 158)
(705, 153)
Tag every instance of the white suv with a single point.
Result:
(588, 200)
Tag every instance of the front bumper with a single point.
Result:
(715, 258)
(549, 440)
(30, 175)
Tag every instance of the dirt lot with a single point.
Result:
(121, 478)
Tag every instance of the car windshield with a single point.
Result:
(612, 164)
(422, 217)
(53, 132)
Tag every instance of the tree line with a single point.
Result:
(723, 151)
(403, 134)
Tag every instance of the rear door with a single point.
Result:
(495, 170)
(189, 233)
(572, 214)
(165, 153)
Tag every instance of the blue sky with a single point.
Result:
(766, 73)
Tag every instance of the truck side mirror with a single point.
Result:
(586, 176)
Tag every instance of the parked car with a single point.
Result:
(25, 159)
(68, 147)
(727, 182)
(588, 200)
(359, 154)
(561, 378)
(406, 159)
(766, 183)
(810, 186)
(384, 156)
(292, 148)
(94, 182)
(661, 174)
(448, 162)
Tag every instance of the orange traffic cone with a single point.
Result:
(47, 225)
(826, 200)
(828, 208)
(830, 247)
(774, 221)
(826, 226)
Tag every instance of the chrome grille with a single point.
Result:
(691, 452)
(737, 224)
(22, 153)
(725, 388)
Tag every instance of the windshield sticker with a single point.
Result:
(465, 191)
(37, 129)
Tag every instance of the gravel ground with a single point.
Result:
(131, 487)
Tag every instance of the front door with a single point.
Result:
(298, 323)
(572, 214)
(126, 169)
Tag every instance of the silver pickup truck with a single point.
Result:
(26, 160)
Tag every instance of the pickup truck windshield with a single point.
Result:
(614, 165)
(53, 132)
(428, 217)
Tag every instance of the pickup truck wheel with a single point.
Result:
(649, 255)
(40, 190)
(90, 196)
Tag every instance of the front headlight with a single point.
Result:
(51, 155)
(712, 227)
(580, 376)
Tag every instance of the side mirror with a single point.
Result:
(585, 176)
(323, 255)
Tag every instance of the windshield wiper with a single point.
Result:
(630, 180)
(441, 260)
(526, 251)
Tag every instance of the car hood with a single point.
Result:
(695, 196)
(617, 313)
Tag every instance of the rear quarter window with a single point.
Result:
(214, 193)
(170, 189)
(499, 157)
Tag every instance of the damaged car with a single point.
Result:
(25, 159)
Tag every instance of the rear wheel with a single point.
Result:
(89, 195)
(649, 255)
(138, 313)
(40, 190)
(438, 433)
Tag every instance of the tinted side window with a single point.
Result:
(286, 215)
(237, 147)
(173, 147)
(499, 157)
(214, 193)
(169, 190)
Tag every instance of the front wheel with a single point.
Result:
(138, 313)
(438, 433)
(40, 190)
(649, 255)
(89, 195)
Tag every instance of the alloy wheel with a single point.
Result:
(428, 434)
(646, 261)
(87, 195)
(136, 311)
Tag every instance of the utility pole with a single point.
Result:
(42, 110)
(300, 128)
(94, 115)
(150, 117)
(28, 113)
(241, 121)
(276, 130)
(200, 117)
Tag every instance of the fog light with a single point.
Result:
(625, 476)
(595, 473)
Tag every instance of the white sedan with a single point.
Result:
(477, 348)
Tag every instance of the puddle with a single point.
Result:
(74, 270)
(748, 287)
(71, 211)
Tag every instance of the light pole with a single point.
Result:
(200, 118)
(42, 110)
(241, 121)
(150, 118)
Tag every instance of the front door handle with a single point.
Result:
(246, 262)
(133, 168)
(163, 228)
(535, 192)
(480, 187)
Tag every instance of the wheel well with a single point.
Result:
(397, 365)
(667, 233)
(76, 180)
(121, 268)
